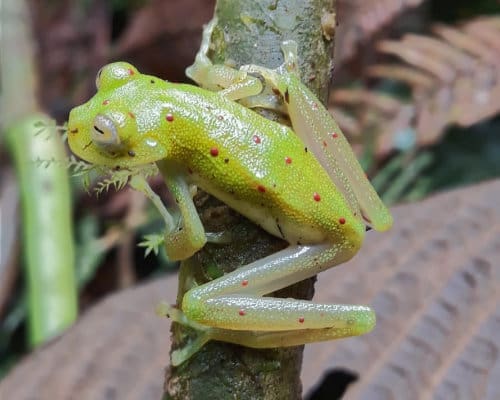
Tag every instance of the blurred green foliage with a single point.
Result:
(452, 11)
(463, 156)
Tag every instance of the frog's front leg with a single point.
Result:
(188, 236)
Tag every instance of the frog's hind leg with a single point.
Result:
(235, 300)
(230, 82)
(265, 339)
(254, 339)
(204, 334)
(312, 122)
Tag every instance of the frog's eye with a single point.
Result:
(104, 134)
(113, 75)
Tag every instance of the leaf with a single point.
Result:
(361, 19)
(452, 78)
(433, 280)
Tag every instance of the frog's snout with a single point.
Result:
(73, 122)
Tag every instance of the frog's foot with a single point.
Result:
(224, 237)
(202, 64)
(247, 84)
(204, 333)
(234, 83)
(170, 311)
(277, 79)
(183, 354)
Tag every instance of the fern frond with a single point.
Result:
(118, 179)
(50, 129)
(361, 19)
(78, 167)
(45, 163)
(152, 243)
(453, 78)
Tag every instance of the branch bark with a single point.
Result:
(251, 33)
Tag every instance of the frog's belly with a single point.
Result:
(271, 218)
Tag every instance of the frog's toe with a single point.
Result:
(224, 237)
(183, 354)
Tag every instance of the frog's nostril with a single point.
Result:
(74, 131)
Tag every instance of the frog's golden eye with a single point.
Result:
(115, 74)
(104, 134)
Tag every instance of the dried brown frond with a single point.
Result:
(360, 19)
(453, 78)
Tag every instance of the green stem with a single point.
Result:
(45, 194)
(250, 32)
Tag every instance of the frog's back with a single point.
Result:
(258, 167)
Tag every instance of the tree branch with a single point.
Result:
(251, 33)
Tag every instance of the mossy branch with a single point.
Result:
(251, 33)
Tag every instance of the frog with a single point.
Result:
(301, 183)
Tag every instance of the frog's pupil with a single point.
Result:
(99, 130)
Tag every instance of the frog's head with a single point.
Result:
(119, 125)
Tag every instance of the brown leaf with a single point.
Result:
(361, 19)
(118, 349)
(433, 280)
(72, 41)
(454, 79)
(163, 36)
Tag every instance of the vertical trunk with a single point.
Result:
(250, 32)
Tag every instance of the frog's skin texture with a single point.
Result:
(302, 184)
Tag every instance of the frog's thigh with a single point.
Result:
(363, 322)
(234, 301)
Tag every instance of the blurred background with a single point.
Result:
(416, 89)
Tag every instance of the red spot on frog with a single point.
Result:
(169, 117)
(214, 151)
(256, 139)
(244, 282)
(105, 102)
(335, 135)
(301, 320)
(242, 312)
(131, 71)
(316, 197)
(288, 160)
(341, 220)
(261, 188)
